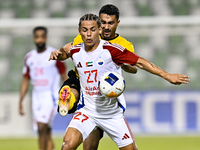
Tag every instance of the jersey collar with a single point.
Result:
(110, 39)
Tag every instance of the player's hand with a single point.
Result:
(21, 111)
(67, 47)
(178, 79)
(54, 55)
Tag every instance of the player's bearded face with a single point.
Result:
(89, 32)
(40, 40)
(109, 25)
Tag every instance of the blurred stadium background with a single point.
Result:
(166, 32)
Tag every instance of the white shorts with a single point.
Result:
(44, 107)
(116, 128)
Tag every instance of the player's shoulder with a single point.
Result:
(30, 53)
(112, 46)
(75, 49)
(122, 39)
(77, 46)
(77, 40)
(125, 43)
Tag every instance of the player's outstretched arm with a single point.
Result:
(129, 68)
(175, 78)
(61, 54)
(58, 55)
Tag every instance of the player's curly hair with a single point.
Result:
(90, 17)
(109, 9)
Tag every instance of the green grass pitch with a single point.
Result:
(143, 142)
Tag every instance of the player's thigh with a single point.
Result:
(118, 130)
(83, 123)
(92, 142)
(132, 146)
(128, 147)
(72, 139)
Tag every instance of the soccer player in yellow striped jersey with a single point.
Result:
(109, 15)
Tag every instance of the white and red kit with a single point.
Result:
(45, 78)
(94, 109)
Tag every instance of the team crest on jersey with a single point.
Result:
(100, 62)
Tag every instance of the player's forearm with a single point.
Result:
(62, 56)
(23, 88)
(150, 67)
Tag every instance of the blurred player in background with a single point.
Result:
(97, 110)
(109, 15)
(45, 78)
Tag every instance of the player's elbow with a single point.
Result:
(129, 68)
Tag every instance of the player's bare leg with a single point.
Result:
(50, 144)
(132, 146)
(72, 139)
(76, 94)
(92, 142)
(43, 136)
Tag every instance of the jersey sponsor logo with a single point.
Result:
(89, 88)
(79, 65)
(40, 82)
(100, 62)
(92, 90)
(125, 136)
(89, 64)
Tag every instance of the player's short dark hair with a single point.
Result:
(90, 17)
(109, 9)
(40, 28)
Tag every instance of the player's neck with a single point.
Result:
(110, 38)
(41, 50)
(93, 47)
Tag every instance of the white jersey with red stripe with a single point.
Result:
(44, 74)
(91, 66)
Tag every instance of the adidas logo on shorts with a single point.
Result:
(125, 136)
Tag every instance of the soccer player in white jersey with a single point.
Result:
(96, 110)
(45, 78)
(109, 15)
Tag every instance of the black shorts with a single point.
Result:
(72, 82)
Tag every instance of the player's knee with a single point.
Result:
(67, 146)
(42, 129)
(90, 147)
(135, 146)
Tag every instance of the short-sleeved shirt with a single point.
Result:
(91, 66)
(116, 40)
(44, 74)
